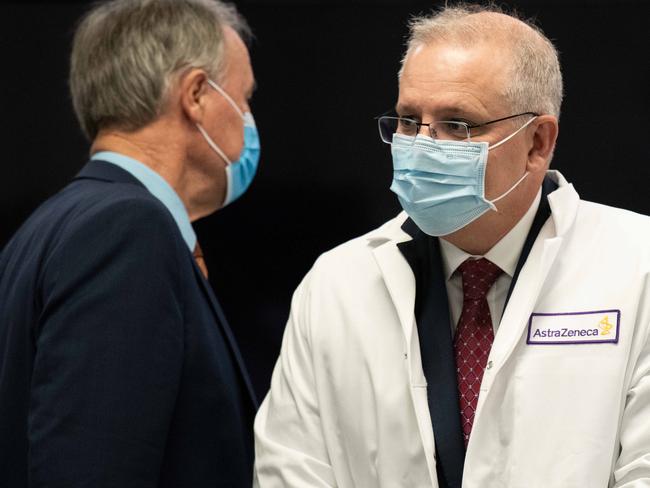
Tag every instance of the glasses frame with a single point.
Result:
(468, 127)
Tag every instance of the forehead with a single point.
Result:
(442, 77)
(237, 67)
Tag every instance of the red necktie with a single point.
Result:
(474, 335)
(200, 261)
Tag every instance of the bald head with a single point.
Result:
(533, 80)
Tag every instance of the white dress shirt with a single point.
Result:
(505, 254)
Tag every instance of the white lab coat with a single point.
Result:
(348, 403)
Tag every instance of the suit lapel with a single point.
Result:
(227, 332)
(437, 352)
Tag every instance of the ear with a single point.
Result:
(545, 134)
(193, 92)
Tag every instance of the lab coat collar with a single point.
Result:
(396, 272)
(396, 230)
(564, 203)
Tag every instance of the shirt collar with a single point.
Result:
(505, 253)
(158, 187)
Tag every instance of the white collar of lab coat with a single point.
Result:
(563, 202)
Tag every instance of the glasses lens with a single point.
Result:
(388, 126)
(447, 130)
(407, 127)
(450, 130)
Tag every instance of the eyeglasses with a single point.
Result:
(448, 130)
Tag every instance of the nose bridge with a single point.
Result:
(427, 128)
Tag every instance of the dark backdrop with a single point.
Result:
(324, 69)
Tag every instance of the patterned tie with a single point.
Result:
(474, 335)
(198, 257)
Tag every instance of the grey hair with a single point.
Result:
(535, 76)
(126, 53)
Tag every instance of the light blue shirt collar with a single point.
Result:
(158, 187)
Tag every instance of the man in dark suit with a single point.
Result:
(117, 366)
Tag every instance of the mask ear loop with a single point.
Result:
(491, 203)
(226, 96)
(216, 148)
(208, 139)
(512, 135)
(212, 144)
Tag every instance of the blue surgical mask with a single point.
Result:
(441, 184)
(240, 173)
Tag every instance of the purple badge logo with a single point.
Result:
(596, 327)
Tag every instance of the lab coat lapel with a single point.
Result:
(542, 215)
(400, 283)
(437, 353)
(399, 280)
(542, 246)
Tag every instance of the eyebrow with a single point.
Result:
(405, 108)
(456, 110)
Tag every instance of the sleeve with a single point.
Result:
(289, 447)
(632, 469)
(109, 349)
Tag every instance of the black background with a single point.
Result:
(324, 70)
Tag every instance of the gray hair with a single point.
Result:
(535, 76)
(126, 53)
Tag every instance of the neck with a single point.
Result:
(478, 237)
(145, 146)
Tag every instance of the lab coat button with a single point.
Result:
(489, 365)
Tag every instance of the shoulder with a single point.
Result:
(94, 208)
(110, 222)
(600, 210)
(611, 220)
(122, 201)
(89, 212)
(344, 296)
(614, 238)
(352, 264)
(358, 252)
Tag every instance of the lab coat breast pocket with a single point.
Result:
(568, 402)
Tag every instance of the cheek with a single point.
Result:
(503, 170)
(232, 135)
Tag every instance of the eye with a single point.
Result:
(454, 125)
(406, 125)
(452, 129)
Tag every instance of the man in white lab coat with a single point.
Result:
(496, 333)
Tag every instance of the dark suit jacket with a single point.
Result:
(117, 366)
